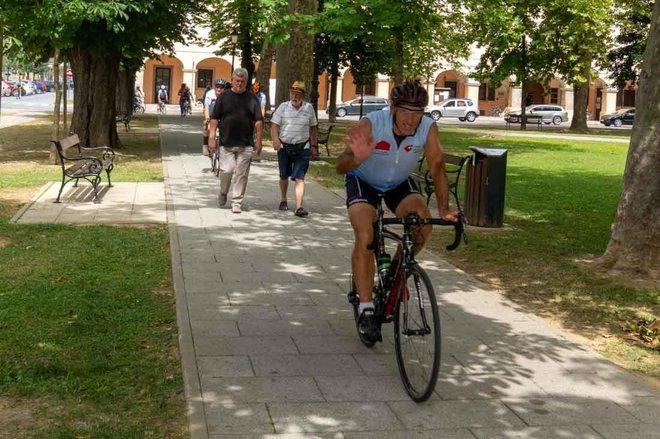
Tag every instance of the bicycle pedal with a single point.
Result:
(353, 298)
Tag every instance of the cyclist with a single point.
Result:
(162, 97)
(210, 97)
(184, 99)
(382, 150)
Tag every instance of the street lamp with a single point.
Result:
(234, 38)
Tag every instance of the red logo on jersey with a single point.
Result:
(408, 148)
(383, 146)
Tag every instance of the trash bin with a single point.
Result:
(484, 188)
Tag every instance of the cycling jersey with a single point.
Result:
(388, 165)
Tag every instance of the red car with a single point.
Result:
(7, 88)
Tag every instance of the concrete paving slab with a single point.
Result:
(210, 346)
(408, 434)
(639, 431)
(364, 388)
(236, 418)
(123, 203)
(333, 417)
(437, 414)
(260, 389)
(569, 411)
(305, 365)
(253, 327)
(577, 432)
(225, 366)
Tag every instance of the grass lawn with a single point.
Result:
(88, 344)
(561, 197)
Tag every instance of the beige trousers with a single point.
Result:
(234, 171)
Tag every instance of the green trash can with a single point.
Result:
(484, 188)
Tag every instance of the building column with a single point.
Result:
(340, 91)
(189, 77)
(515, 97)
(608, 103)
(472, 89)
(568, 100)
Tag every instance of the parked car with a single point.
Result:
(625, 116)
(50, 85)
(7, 88)
(549, 113)
(463, 109)
(352, 107)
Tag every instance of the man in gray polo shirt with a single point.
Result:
(293, 130)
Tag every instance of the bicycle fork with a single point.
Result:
(425, 328)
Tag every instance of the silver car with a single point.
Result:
(463, 109)
(548, 113)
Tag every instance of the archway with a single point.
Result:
(208, 70)
(166, 71)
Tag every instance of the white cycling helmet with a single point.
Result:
(162, 87)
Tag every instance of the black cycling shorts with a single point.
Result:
(357, 191)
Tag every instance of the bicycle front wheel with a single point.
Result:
(417, 334)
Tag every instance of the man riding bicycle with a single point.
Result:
(162, 96)
(382, 150)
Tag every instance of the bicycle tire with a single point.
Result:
(216, 162)
(419, 375)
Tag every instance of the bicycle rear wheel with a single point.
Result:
(417, 334)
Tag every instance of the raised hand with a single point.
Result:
(361, 143)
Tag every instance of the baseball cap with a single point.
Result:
(298, 86)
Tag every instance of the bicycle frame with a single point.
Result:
(385, 293)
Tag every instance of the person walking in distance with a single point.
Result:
(184, 99)
(238, 115)
(294, 133)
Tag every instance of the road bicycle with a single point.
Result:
(161, 108)
(138, 107)
(403, 294)
(215, 161)
(496, 111)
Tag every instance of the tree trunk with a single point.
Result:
(55, 128)
(65, 92)
(634, 246)
(125, 92)
(523, 83)
(398, 54)
(264, 70)
(334, 75)
(299, 52)
(94, 94)
(579, 121)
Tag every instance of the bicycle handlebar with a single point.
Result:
(414, 220)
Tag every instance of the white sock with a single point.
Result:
(365, 305)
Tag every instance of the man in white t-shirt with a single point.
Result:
(294, 133)
(210, 97)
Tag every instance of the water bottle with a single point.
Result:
(384, 262)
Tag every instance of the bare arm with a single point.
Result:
(359, 146)
(436, 159)
(213, 125)
(275, 135)
(313, 135)
(259, 132)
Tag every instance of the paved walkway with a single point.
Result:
(123, 203)
(269, 347)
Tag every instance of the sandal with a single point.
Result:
(301, 212)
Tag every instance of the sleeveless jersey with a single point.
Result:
(389, 166)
